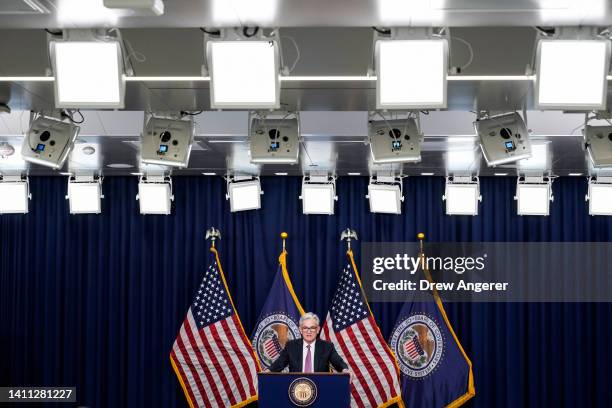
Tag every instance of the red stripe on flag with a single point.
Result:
(386, 355)
(191, 364)
(213, 384)
(245, 367)
(361, 377)
(382, 367)
(382, 341)
(246, 344)
(331, 337)
(184, 378)
(245, 339)
(181, 345)
(229, 362)
(369, 368)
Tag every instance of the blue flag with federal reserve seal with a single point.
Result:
(279, 318)
(434, 369)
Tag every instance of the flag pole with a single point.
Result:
(284, 236)
(471, 389)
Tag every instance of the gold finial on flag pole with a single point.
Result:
(421, 238)
(348, 235)
(213, 234)
(284, 236)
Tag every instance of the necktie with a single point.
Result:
(308, 363)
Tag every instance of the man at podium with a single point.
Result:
(309, 354)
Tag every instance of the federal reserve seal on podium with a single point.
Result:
(302, 392)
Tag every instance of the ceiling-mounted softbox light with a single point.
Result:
(244, 70)
(462, 195)
(139, 7)
(411, 69)
(167, 141)
(48, 141)
(274, 138)
(598, 142)
(88, 68)
(571, 69)
(503, 138)
(394, 140)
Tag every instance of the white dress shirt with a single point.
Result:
(305, 351)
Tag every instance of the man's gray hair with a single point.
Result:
(309, 316)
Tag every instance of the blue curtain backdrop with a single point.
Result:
(95, 301)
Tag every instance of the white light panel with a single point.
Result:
(411, 74)
(85, 198)
(318, 198)
(571, 74)
(462, 199)
(533, 199)
(88, 74)
(244, 195)
(385, 198)
(14, 197)
(600, 199)
(539, 159)
(154, 198)
(244, 74)
(461, 158)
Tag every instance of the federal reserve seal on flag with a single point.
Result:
(272, 334)
(418, 345)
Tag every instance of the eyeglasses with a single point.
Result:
(314, 328)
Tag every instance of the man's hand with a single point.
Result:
(352, 376)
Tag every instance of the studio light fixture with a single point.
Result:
(571, 69)
(244, 69)
(598, 142)
(49, 141)
(155, 194)
(462, 195)
(533, 195)
(600, 195)
(85, 194)
(14, 194)
(154, 7)
(318, 194)
(167, 141)
(385, 194)
(462, 155)
(88, 68)
(243, 192)
(394, 140)
(540, 161)
(503, 138)
(411, 69)
(274, 138)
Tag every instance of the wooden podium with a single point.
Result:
(315, 390)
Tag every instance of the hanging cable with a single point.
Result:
(470, 50)
(297, 52)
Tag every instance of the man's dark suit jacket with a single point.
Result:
(325, 354)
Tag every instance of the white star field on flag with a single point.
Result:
(211, 303)
(347, 306)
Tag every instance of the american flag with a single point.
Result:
(413, 348)
(211, 355)
(350, 325)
